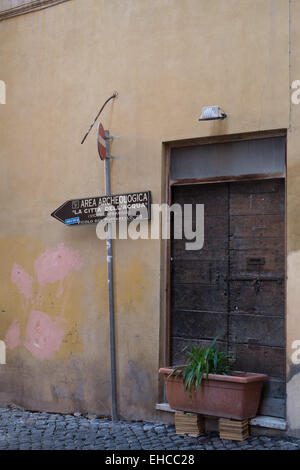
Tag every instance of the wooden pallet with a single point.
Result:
(233, 429)
(189, 423)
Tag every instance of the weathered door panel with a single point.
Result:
(199, 299)
(257, 187)
(244, 329)
(256, 225)
(256, 283)
(235, 286)
(260, 358)
(271, 361)
(207, 271)
(256, 203)
(250, 256)
(215, 197)
(192, 324)
(193, 296)
(258, 297)
(213, 249)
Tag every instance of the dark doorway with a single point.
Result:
(235, 286)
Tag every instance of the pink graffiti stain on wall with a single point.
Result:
(12, 337)
(23, 280)
(55, 264)
(43, 335)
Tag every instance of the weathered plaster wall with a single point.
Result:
(293, 233)
(167, 59)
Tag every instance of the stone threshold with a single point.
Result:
(28, 7)
(261, 421)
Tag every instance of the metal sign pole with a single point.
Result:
(111, 289)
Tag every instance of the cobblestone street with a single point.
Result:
(45, 431)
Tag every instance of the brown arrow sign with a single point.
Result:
(91, 210)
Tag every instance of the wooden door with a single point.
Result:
(234, 287)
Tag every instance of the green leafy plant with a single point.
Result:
(201, 362)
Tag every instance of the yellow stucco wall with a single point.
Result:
(167, 59)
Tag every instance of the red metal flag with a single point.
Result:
(101, 141)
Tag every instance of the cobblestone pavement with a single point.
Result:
(26, 430)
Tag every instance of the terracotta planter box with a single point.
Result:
(233, 396)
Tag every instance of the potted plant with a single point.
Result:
(207, 385)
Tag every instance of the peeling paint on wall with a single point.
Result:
(23, 280)
(12, 337)
(55, 264)
(52, 327)
(43, 335)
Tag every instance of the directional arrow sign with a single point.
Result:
(91, 210)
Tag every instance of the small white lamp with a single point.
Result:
(212, 112)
